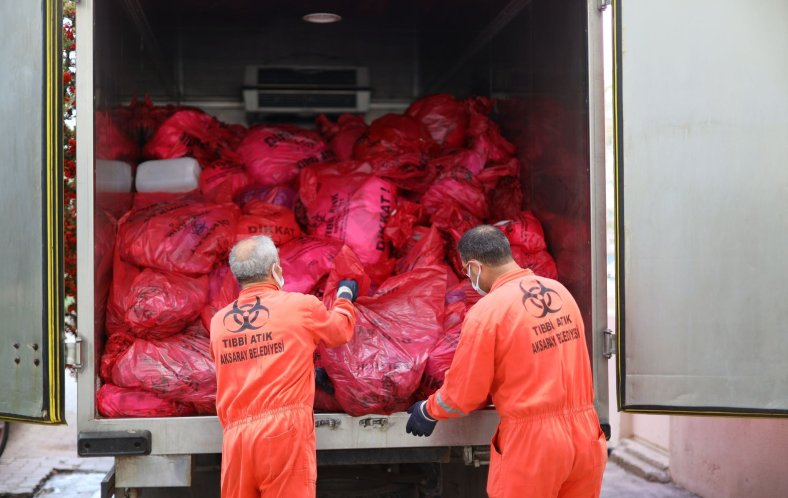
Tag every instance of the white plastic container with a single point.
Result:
(168, 175)
(113, 176)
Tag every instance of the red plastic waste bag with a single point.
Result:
(393, 135)
(429, 250)
(162, 304)
(445, 117)
(529, 249)
(467, 159)
(464, 194)
(397, 147)
(178, 369)
(275, 155)
(157, 305)
(184, 236)
(401, 223)
(188, 133)
(222, 180)
(223, 289)
(524, 232)
(354, 210)
(459, 300)
(113, 143)
(343, 135)
(261, 218)
(541, 263)
(113, 402)
(116, 346)
(305, 261)
(379, 370)
(280, 195)
(484, 134)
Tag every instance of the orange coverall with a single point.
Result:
(263, 345)
(524, 343)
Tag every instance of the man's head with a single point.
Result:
(256, 260)
(486, 254)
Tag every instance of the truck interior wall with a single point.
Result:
(535, 66)
(536, 69)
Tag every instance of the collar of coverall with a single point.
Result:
(509, 276)
(257, 288)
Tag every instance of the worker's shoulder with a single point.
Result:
(298, 299)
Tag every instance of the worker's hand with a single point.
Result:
(323, 382)
(420, 423)
(348, 289)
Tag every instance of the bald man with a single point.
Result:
(263, 344)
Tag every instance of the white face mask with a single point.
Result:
(475, 285)
(280, 279)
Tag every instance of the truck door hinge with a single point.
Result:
(609, 344)
(603, 4)
(74, 353)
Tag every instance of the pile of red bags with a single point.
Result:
(385, 203)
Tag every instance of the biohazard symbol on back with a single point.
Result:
(246, 317)
(539, 300)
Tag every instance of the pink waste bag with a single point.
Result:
(223, 289)
(379, 370)
(306, 260)
(114, 402)
(342, 135)
(353, 210)
(185, 236)
(222, 180)
(178, 369)
(445, 117)
(261, 218)
(275, 155)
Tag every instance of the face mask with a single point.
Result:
(280, 279)
(475, 285)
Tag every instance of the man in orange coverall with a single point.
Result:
(524, 343)
(263, 345)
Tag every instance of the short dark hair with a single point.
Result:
(486, 244)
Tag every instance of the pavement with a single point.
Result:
(42, 461)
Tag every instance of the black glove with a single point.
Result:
(323, 382)
(348, 289)
(420, 423)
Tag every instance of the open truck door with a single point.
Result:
(31, 246)
(701, 116)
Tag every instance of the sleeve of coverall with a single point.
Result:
(468, 380)
(335, 326)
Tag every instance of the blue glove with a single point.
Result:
(420, 423)
(322, 381)
(348, 289)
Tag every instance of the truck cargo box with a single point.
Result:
(532, 58)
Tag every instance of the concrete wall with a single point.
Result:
(727, 458)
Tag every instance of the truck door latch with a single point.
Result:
(74, 353)
(331, 423)
(372, 423)
(608, 343)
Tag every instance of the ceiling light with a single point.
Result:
(322, 18)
